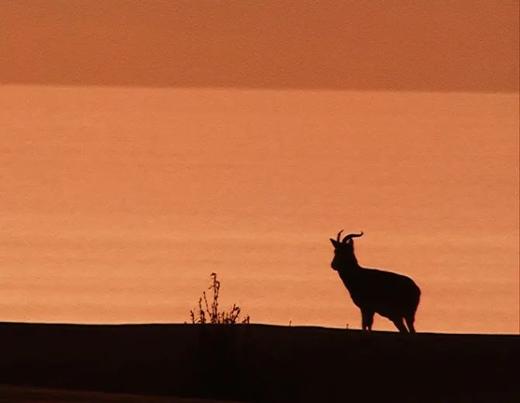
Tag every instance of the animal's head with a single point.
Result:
(344, 251)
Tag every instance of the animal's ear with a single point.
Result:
(334, 242)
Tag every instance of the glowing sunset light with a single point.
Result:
(146, 145)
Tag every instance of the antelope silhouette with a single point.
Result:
(391, 295)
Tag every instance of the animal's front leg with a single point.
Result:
(367, 319)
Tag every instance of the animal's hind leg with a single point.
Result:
(399, 324)
(367, 319)
(409, 322)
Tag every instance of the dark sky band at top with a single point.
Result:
(339, 45)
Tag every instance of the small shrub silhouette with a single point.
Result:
(209, 313)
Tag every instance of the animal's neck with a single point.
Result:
(348, 275)
(351, 264)
(349, 267)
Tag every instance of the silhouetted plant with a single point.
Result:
(209, 312)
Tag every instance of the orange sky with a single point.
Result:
(119, 199)
(463, 45)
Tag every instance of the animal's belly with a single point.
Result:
(382, 305)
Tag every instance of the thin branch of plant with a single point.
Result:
(208, 312)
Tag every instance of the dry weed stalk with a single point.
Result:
(209, 313)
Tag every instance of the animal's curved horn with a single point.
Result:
(339, 236)
(350, 236)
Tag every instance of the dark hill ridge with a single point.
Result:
(261, 363)
(24, 394)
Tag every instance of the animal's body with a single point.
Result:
(391, 295)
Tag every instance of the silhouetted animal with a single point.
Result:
(375, 291)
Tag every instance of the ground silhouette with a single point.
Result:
(261, 363)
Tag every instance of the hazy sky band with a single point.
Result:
(118, 203)
(381, 45)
